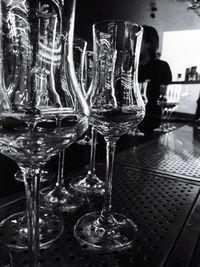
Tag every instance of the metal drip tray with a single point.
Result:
(176, 153)
(158, 206)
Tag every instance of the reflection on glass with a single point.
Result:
(143, 91)
(86, 80)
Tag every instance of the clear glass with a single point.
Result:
(42, 108)
(86, 82)
(143, 91)
(89, 184)
(58, 197)
(173, 97)
(116, 107)
(168, 101)
(162, 102)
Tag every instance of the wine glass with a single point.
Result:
(162, 102)
(79, 53)
(116, 106)
(15, 226)
(42, 109)
(143, 91)
(58, 197)
(173, 97)
(86, 82)
(89, 184)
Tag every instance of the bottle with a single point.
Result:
(187, 72)
(179, 77)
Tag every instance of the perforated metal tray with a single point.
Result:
(187, 250)
(176, 153)
(158, 206)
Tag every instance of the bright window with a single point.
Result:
(181, 49)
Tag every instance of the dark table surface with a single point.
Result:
(156, 183)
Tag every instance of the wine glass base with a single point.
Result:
(118, 236)
(46, 176)
(60, 199)
(14, 231)
(89, 185)
(5, 257)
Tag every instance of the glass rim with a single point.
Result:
(116, 21)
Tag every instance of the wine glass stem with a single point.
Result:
(162, 125)
(168, 118)
(60, 175)
(162, 114)
(110, 152)
(32, 211)
(93, 151)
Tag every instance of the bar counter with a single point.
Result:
(156, 183)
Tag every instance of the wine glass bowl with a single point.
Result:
(143, 91)
(79, 53)
(86, 83)
(116, 107)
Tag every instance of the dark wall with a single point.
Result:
(90, 11)
(87, 13)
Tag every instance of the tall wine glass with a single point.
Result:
(15, 227)
(58, 197)
(173, 97)
(162, 103)
(116, 106)
(143, 91)
(86, 82)
(42, 109)
(15, 49)
(168, 100)
(89, 184)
